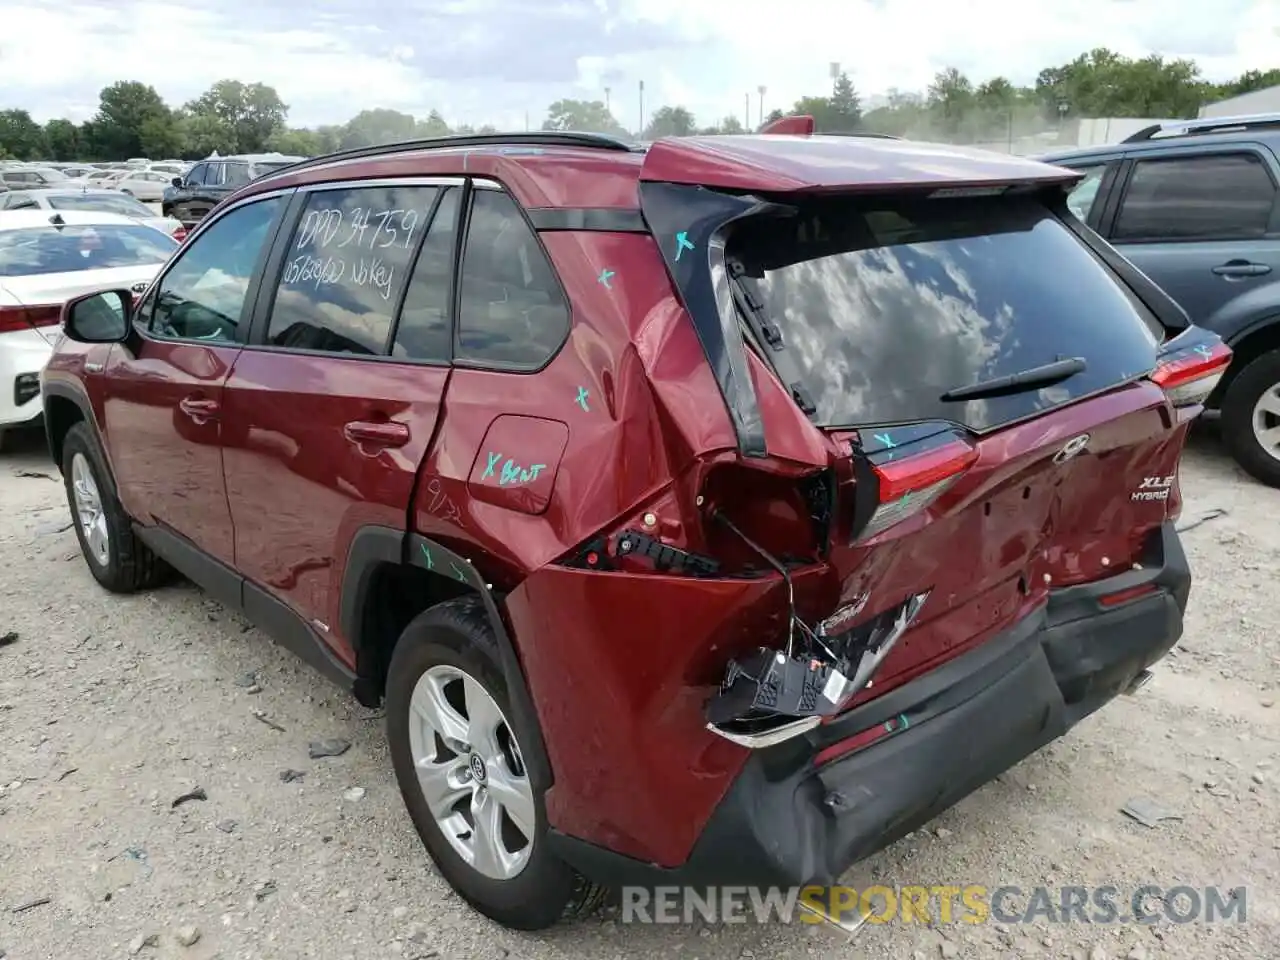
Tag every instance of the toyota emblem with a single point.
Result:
(1071, 448)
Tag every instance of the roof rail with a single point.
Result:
(538, 138)
(1181, 128)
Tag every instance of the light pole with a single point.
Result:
(640, 132)
(607, 91)
(746, 115)
(760, 90)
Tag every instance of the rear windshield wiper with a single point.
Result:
(1021, 382)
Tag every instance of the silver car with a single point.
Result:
(89, 198)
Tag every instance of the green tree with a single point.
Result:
(252, 112)
(297, 142)
(670, 122)
(203, 133)
(131, 118)
(379, 125)
(432, 125)
(586, 116)
(844, 107)
(950, 98)
(63, 139)
(21, 136)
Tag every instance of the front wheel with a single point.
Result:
(456, 748)
(1251, 418)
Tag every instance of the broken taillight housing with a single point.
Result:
(1191, 374)
(909, 481)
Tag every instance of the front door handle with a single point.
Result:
(1242, 268)
(376, 433)
(199, 409)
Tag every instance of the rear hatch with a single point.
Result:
(984, 382)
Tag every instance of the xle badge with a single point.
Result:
(1154, 488)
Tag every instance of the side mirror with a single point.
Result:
(176, 181)
(101, 317)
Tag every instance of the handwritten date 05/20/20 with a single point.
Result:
(365, 272)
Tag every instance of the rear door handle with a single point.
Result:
(197, 409)
(1241, 268)
(376, 433)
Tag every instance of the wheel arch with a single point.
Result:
(379, 552)
(64, 407)
(1249, 343)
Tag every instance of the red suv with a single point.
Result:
(718, 510)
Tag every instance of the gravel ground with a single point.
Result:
(111, 709)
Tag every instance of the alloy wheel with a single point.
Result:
(89, 512)
(472, 775)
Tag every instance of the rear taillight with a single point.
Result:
(1189, 376)
(26, 317)
(909, 483)
(180, 234)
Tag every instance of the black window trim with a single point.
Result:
(271, 271)
(1186, 153)
(485, 183)
(147, 300)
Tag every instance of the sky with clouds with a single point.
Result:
(493, 61)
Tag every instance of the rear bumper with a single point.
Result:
(787, 821)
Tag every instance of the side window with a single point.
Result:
(511, 310)
(1084, 193)
(196, 175)
(347, 263)
(213, 174)
(423, 330)
(202, 296)
(1212, 197)
(237, 174)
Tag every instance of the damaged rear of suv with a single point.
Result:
(946, 532)
(714, 512)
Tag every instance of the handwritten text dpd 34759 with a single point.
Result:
(329, 233)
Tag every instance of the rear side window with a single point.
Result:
(511, 311)
(347, 265)
(423, 329)
(884, 308)
(1085, 193)
(1208, 197)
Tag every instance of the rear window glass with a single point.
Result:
(105, 202)
(885, 308)
(40, 250)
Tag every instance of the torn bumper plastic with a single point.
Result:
(775, 695)
(808, 809)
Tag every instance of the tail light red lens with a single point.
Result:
(1189, 377)
(908, 485)
(180, 234)
(26, 317)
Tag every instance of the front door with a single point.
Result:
(333, 405)
(163, 396)
(1202, 225)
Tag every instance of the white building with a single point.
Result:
(1266, 100)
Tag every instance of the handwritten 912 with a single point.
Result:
(328, 233)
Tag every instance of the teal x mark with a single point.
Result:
(493, 462)
(1204, 351)
(582, 398)
(605, 277)
(884, 438)
(427, 553)
(683, 243)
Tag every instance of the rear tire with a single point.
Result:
(453, 641)
(1244, 415)
(116, 557)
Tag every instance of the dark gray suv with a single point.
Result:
(1193, 205)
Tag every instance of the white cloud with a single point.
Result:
(487, 65)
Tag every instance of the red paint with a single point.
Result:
(516, 464)
(307, 448)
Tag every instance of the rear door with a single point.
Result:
(163, 401)
(334, 403)
(1201, 222)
